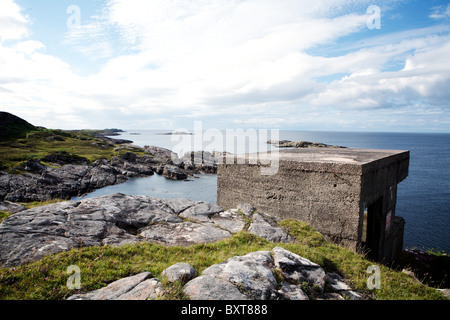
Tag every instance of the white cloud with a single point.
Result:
(244, 61)
(441, 12)
(13, 24)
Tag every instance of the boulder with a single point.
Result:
(297, 269)
(183, 234)
(251, 273)
(212, 288)
(256, 276)
(201, 212)
(174, 173)
(229, 220)
(180, 272)
(267, 228)
(139, 287)
(246, 209)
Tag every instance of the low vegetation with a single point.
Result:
(83, 146)
(40, 143)
(46, 279)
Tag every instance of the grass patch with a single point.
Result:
(4, 215)
(35, 204)
(46, 279)
(42, 142)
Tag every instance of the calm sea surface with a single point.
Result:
(423, 198)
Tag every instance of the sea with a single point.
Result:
(423, 198)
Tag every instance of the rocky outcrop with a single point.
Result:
(300, 144)
(262, 275)
(121, 219)
(139, 287)
(75, 176)
(268, 275)
(42, 183)
(11, 207)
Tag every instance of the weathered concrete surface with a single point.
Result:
(116, 220)
(326, 188)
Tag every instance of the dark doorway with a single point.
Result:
(373, 227)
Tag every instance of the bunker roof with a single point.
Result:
(344, 160)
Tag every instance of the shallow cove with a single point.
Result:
(201, 188)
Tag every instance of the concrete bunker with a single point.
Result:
(349, 195)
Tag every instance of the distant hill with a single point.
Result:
(13, 127)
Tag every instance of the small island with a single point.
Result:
(300, 144)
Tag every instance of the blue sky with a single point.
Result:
(287, 64)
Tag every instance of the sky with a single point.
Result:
(324, 65)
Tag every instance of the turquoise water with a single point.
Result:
(423, 198)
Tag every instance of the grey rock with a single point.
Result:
(77, 176)
(137, 287)
(174, 173)
(110, 220)
(351, 295)
(248, 277)
(44, 183)
(208, 287)
(147, 290)
(179, 205)
(179, 272)
(266, 227)
(183, 234)
(336, 283)
(199, 161)
(246, 209)
(330, 296)
(298, 269)
(11, 207)
(292, 292)
(229, 221)
(253, 276)
(201, 212)
(300, 144)
(445, 292)
(251, 273)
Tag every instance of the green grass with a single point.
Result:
(46, 279)
(39, 143)
(4, 215)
